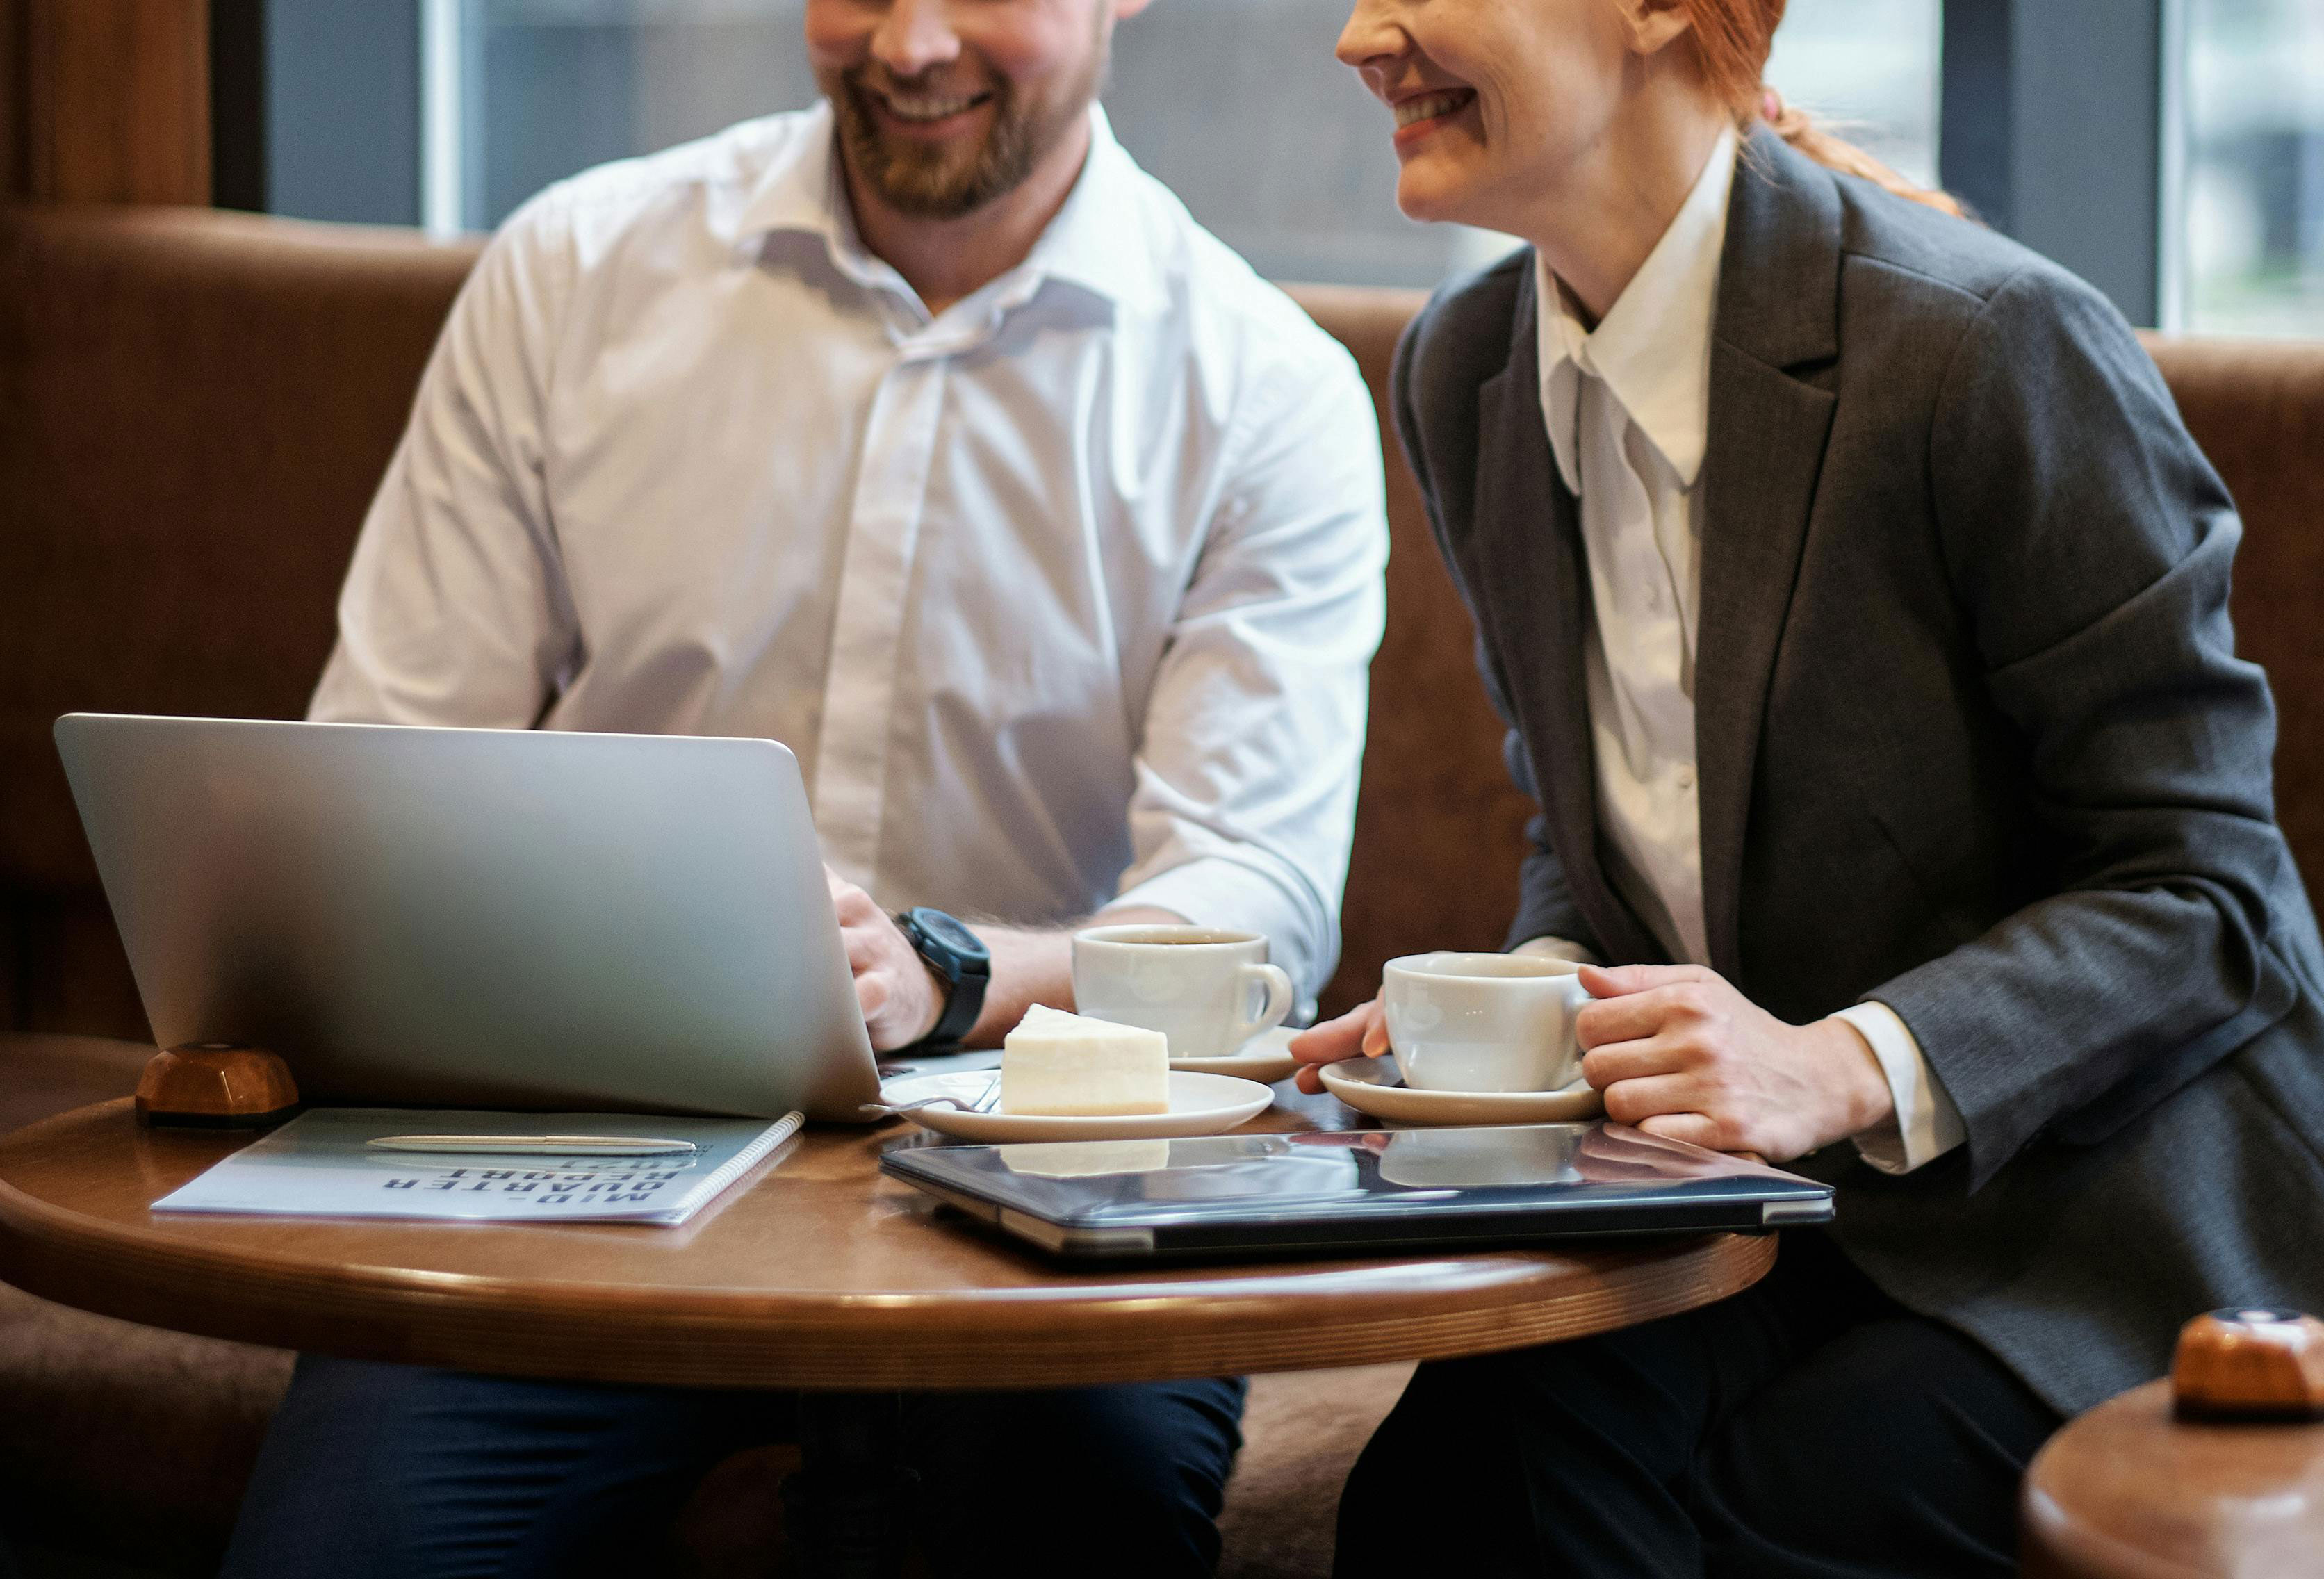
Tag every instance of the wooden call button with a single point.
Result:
(2253, 1364)
(216, 1086)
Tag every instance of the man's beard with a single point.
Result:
(948, 182)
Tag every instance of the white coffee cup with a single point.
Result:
(1207, 989)
(1483, 1021)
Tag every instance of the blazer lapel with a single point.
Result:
(1778, 310)
(1529, 573)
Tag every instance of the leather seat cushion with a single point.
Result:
(117, 1440)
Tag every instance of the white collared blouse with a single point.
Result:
(1628, 406)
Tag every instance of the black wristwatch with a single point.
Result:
(960, 960)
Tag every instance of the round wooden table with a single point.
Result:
(814, 1272)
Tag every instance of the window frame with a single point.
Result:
(2062, 122)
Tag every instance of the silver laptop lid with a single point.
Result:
(486, 918)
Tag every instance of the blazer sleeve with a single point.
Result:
(2089, 544)
(1545, 903)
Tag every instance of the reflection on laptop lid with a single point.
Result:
(1342, 1190)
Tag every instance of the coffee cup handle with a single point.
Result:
(1576, 997)
(1274, 1008)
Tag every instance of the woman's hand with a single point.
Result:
(1679, 1052)
(1359, 1030)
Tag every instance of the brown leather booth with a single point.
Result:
(194, 408)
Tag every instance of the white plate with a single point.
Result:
(1264, 1057)
(1375, 1086)
(1200, 1104)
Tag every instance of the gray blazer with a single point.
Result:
(1973, 742)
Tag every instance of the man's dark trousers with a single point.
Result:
(1809, 1427)
(406, 1473)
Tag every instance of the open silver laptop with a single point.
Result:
(479, 918)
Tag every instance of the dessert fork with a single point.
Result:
(983, 1104)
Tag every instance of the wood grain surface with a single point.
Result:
(104, 101)
(2127, 1492)
(815, 1272)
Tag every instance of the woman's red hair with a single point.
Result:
(1732, 38)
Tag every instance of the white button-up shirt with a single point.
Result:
(1063, 597)
(1628, 411)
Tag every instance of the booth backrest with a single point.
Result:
(196, 406)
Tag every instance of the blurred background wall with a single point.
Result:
(2169, 151)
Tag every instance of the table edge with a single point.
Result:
(999, 1338)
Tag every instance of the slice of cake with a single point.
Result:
(1071, 1065)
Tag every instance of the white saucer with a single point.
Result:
(1200, 1104)
(1374, 1086)
(1264, 1059)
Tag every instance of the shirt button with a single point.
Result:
(1686, 778)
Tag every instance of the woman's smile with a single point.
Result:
(1420, 114)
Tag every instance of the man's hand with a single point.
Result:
(1362, 1030)
(901, 998)
(1679, 1052)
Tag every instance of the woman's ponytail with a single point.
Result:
(1798, 128)
(1732, 38)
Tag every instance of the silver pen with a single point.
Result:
(537, 1145)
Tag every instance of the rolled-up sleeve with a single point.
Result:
(455, 610)
(1253, 739)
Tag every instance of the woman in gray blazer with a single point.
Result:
(1859, 606)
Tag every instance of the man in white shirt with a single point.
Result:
(925, 433)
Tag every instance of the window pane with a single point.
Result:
(1199, 87)
(555, 86)
(2255, 181)
(1869, 69)
(1238, 107)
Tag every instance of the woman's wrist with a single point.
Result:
(1862, 1099)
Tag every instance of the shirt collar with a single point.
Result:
(1652, 350)
(1097, 241)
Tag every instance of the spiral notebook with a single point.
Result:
(321, 1164)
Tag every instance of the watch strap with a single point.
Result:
(965, 977)
(964, 1003)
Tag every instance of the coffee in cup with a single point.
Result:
(1483, 1021)
(1208, 990)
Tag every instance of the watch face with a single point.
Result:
(949, 933)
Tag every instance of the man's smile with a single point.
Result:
(922, 112)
